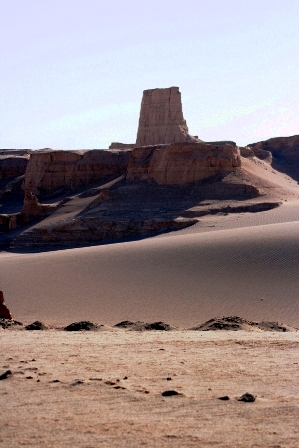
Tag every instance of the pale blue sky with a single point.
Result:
(72, 72)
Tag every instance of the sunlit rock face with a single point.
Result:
(182, 163)
(161, 118)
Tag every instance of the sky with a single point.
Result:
(72, 72)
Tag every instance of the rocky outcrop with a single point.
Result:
(32, 208)
(49, 171)
(12, 165)
(182, 163)
(4, 311)
(161, 118)
(283, 150)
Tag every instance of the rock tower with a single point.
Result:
(161, 118)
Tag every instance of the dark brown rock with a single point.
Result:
(4, 311)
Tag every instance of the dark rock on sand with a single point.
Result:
(128, 324)
(83, 325)
(158, 326)
(4, 311)
(274, 326)
(224, 398)
(5, 375)
(6, 323)
(247, 398)
(37, 325)
(238, 323)
(169, 393)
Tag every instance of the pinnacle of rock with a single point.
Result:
(161, 118)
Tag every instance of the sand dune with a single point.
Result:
(183, 279)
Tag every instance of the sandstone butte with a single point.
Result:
(161, 118)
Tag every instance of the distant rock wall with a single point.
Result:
(285, 148)
(161, 118)
(51, 170)
(182, 163)
(118, 145)
(12, 165)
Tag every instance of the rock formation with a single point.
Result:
(161, 118)
(48, 171)
(283, 150)
(12, 164)
(118, 145)
(182, 163)
(4, 311)
(32, 208)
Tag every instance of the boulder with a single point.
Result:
(161, 118)
(4, 311)
(182, 163)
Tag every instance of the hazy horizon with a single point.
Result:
(73, 72)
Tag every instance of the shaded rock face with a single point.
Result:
(53, 170)
(182, 163)
(12, 164)
(161, 118)
(4, 311)
(283, 150)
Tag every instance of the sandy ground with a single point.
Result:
(93, 389)
(183, 278)
(238, 264)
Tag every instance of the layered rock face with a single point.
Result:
(182, 163)
(161, 118)
(285, 153)
(52, 170)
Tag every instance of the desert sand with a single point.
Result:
(104, 388)
(91, 389)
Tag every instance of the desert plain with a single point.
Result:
(223, 251)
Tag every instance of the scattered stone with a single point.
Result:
(29, 377)
(5, 375)
(247, 398)
(110, 383)
(37, 325)
(119, 387)
(7, 323)
(83, 325)
(168, 378)
(224, 398)
(75, 383)
(169, 393)
(55, 381)
(125, 378)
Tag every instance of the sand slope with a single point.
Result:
(183, 279)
